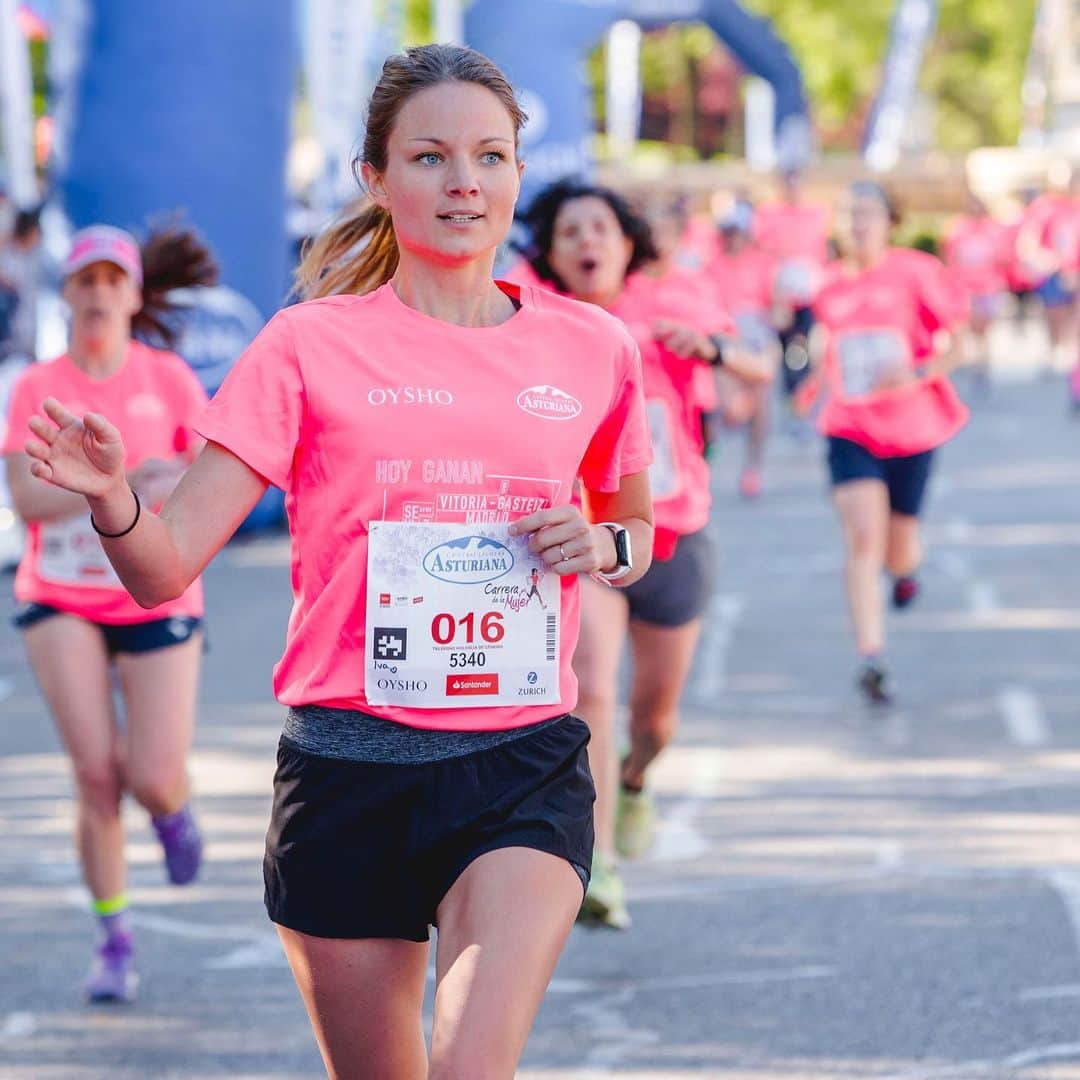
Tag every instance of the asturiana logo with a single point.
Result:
(549, 403)
(471, 560)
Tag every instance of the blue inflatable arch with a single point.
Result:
(542, 48)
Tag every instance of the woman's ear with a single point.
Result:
(376, 186)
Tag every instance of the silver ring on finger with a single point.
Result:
(562, 553)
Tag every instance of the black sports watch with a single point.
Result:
(721, 343)
(624, 561)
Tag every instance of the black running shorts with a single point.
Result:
(905, 477)
(363, 850)
(676, 591)
(129, 638)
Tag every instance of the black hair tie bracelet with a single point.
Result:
(116, 536)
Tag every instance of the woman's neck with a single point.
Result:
(98, 358)
(868, 260)
(463, 295)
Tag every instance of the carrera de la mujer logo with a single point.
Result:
(470, 560)
(549, 403)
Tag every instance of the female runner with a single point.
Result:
(77, 619)
(427, 425)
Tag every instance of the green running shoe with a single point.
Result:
(605, 899)
(635, 822)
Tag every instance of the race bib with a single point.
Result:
(755, 331)
(459, 616)
(663, 472)
(797, 280)
(865, 356)
(70, 553)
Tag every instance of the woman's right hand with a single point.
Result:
(85, 456)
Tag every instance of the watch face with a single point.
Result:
(622, 547)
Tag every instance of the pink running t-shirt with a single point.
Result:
(678, 392)
(796, 236)
(744, 281)
(365, 410)
(876, 321)
(977, 252)
(154, 399)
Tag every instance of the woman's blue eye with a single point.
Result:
(493, 157)
(430, 158)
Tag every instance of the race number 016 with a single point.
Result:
(445, 628)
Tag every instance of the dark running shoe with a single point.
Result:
(904, 591)
(875, 684)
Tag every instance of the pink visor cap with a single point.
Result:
(103, 243)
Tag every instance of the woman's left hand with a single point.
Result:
(566, 542)
(684, 341)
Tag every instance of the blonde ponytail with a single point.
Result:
(356, 254)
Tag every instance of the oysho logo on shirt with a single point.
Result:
(549, 403)
(408, 395)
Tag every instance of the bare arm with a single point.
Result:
(570, 543)
(163, 554)
(691, 345)
(38, 500)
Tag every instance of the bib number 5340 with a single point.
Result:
(446, 629)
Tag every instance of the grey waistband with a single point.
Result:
(356, 736)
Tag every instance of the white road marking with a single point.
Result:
(1050, 993)
(616, 1038)
(889, 855)
(1023, 715)
(982, 598)
(691, 982)
(678, 837)
(1066, 883)
(17, 1025)
(710, 669)
(264, 953)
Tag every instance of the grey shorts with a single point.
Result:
(676, 591)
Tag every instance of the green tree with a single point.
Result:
(974, 70)
(972, 73)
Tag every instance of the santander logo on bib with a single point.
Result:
(471, 560)
(549, 403)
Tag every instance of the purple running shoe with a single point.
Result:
(112, 978)
(182, 842)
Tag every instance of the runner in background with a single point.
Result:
(591, 245)
(428, 425)
(743, 276)
(77, 619)
(794, 231)
(886, 317)
(1049, 245)
(977, 253)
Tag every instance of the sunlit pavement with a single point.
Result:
(834, 893)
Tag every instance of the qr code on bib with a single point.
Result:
(390, 643)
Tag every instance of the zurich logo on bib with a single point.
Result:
(472, 560)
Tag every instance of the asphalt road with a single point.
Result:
(834, 894)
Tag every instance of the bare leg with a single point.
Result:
(502, 927)
(903, 553)
(604, 615)
(662, 659)
(863, 506)
(72, 667)
(365, 999)
(758, 430)
(160, 688)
